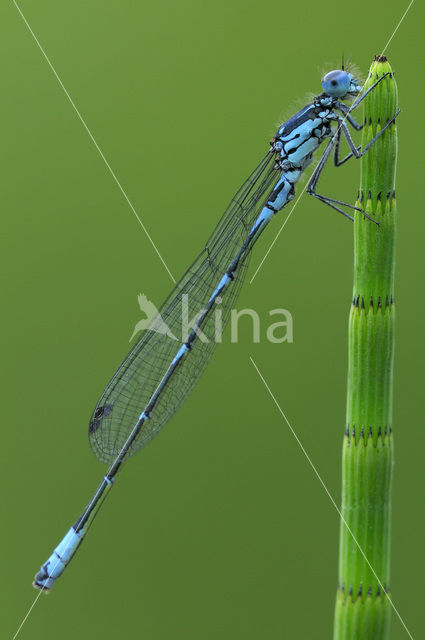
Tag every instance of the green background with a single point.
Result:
(218, 529)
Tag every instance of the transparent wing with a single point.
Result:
(130, 389)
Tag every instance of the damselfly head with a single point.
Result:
(340, 84)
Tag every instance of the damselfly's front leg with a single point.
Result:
(371, 88)
(346, 111)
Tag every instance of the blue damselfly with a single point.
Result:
(157, 375)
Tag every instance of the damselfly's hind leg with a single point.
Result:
(331, 202)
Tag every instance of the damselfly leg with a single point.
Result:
(371, 88)
(337, 161)
(347, 114)
(312, 183)
(357, 152)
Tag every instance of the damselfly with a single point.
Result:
(157, 375)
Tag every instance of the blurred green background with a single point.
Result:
(218, 529)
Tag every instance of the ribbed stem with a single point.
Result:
(362, 608)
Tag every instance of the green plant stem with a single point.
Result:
(362, 608)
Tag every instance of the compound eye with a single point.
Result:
(336, 83)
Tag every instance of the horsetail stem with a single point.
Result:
(362, 608)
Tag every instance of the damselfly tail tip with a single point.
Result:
(39, 586)
(42, 580)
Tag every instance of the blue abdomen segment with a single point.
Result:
(282, 194)
(221, 285)
(264, 217)
(56, 564)
(180, 353)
